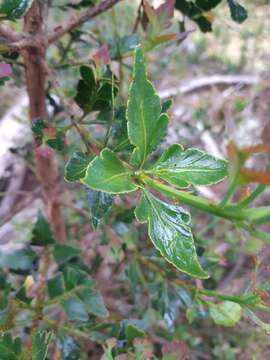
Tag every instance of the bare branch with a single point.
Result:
(82, 18)
(9, 35)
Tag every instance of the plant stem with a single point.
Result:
(251, 197)
(257, 215)
(250, 300)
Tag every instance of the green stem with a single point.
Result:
(251, 197)
(253, 215)
(250, 300)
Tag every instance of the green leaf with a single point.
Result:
(86, 89)
(56, 286)
(93, 302)
(132, 332)
(40, 345)
(69, 348)
(10, 349)
(146, 125)
(238, 12)
(76, 167)
(14, 9)
(170, 231)
(108, 174)
(227, 313)
(166, 105)
(75, 309)
(75, 291)
(42, 234)
(99, 204)
(18, 260)
(93, 95)
(184, 167)
(64, 253)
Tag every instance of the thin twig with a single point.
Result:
(82, 18)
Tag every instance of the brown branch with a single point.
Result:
(82, 18)
(9, 35)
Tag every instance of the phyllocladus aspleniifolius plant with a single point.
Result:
(57, 301)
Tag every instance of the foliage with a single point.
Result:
(119, 285)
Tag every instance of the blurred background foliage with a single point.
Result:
(144, 308)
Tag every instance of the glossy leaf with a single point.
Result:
(227, 313)
(169, 228)
(99, 204)
(238, 12)
(191, 166)
(42, 234)
(14, 9)
(76, 167)
(40, 345)
(146, 125)
(108, 174)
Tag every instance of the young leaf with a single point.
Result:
(99, 204)
(227, 313)
(76, 167)
(170, 231)
(42, 234)
(238, 12)
(40, 345)
(109, 174)
(184, 167)
(146, 125)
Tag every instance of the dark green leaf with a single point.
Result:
(146, 126)
(86, 89)
(40, 345)
(191, 166)
(76, 167)
(10, 349)
(42, 234)
(14, 9)
(38, 125)
(75, 291)
(99, 204)
(75, 309)
(169, 228)
(133, 332)
(108, 174)
(64, 253)
(166, 105)
(18, 260)
(56, 286)
(238, 12)
(227, 313)
(195, 13)
(93, 302)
